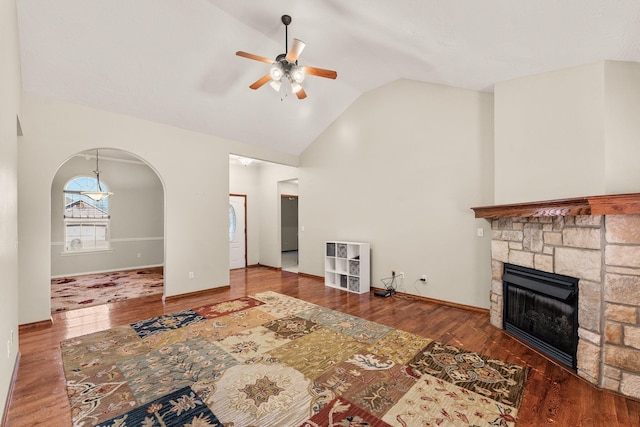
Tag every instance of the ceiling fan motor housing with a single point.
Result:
(290, 70)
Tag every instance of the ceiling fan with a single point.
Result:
(285, 66)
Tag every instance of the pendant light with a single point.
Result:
(98, 194)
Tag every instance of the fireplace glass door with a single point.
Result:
(541, 309)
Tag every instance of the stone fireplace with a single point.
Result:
(596, 240)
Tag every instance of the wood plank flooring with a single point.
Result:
(554, 396)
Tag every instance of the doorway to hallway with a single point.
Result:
(289, 232)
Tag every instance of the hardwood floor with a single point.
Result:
(554, 396)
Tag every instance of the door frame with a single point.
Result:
(246, 249)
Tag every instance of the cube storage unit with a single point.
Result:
(347, 266)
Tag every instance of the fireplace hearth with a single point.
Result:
(541, 309)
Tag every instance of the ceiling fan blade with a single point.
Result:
(255, 57)
(301, 94)
(320, 72)
(260, 82)
(295, 51)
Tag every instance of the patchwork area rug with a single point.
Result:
(273, 360)
(71, 293)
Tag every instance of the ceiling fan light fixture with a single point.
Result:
(275, 84)
(276, 72)
(295, 87)
(297, 75)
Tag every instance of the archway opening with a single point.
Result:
(112, 249)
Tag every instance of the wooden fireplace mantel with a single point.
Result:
(614, 204)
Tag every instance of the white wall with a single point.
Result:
(193, 167)
(401, 169)
(622, 127)
(10, 87)
(137, 217)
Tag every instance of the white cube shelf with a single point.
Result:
(346, 266)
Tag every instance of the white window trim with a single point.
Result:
(86, 252)
(88, 221)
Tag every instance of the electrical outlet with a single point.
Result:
(423, 278)
(191, 275)
(480, 232)
(401, 275)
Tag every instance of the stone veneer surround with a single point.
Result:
(603, 252)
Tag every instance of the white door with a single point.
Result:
(237, 230)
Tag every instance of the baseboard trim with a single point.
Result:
(203, 292)
(141, 267)
(14, 377)
(263, 266)
(38, 324)
(440, 302)
(311, 276)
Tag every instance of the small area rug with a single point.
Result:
(274, 360)
(71, 293)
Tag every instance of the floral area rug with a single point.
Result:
(273, 360)
(71, 293)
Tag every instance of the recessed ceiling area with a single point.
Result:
(175, 62)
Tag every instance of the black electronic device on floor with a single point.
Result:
(386, 293)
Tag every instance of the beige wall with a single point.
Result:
(193, 167)
(568, 133)
(622, 127)
(10, 87)
(400, 169)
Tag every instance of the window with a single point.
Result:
(232, 223)
(86, 222)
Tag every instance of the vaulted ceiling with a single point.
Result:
(174, 62)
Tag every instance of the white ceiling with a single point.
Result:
(174, 61)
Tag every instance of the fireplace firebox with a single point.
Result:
(541, 309)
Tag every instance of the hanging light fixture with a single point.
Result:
(98, 194)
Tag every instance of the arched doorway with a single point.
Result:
(112, 249)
